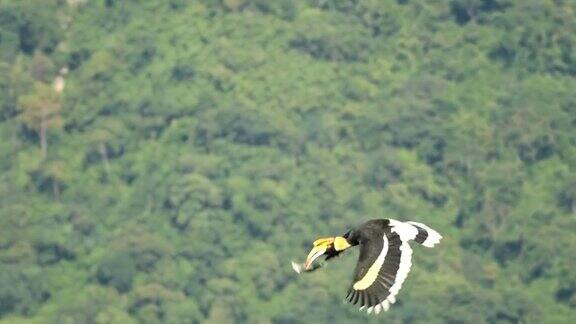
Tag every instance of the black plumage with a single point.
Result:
(384, 260)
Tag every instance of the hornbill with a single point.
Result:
(384, 261)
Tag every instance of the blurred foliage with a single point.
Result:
(163, 161)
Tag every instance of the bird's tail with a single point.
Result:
(426, 236)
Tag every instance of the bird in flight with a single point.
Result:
(384, 262)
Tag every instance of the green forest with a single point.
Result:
(163, 161)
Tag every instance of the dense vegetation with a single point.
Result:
(165, 160)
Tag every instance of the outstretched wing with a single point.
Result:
(382, 268)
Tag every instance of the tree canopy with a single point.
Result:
(163, 161)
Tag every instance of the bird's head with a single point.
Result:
(326, 246)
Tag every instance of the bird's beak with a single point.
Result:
(320, 247)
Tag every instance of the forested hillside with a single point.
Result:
(164, 160)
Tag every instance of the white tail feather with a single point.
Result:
(433, 236)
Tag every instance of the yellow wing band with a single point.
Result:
(372, 272)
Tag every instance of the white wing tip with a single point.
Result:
(386, 305)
